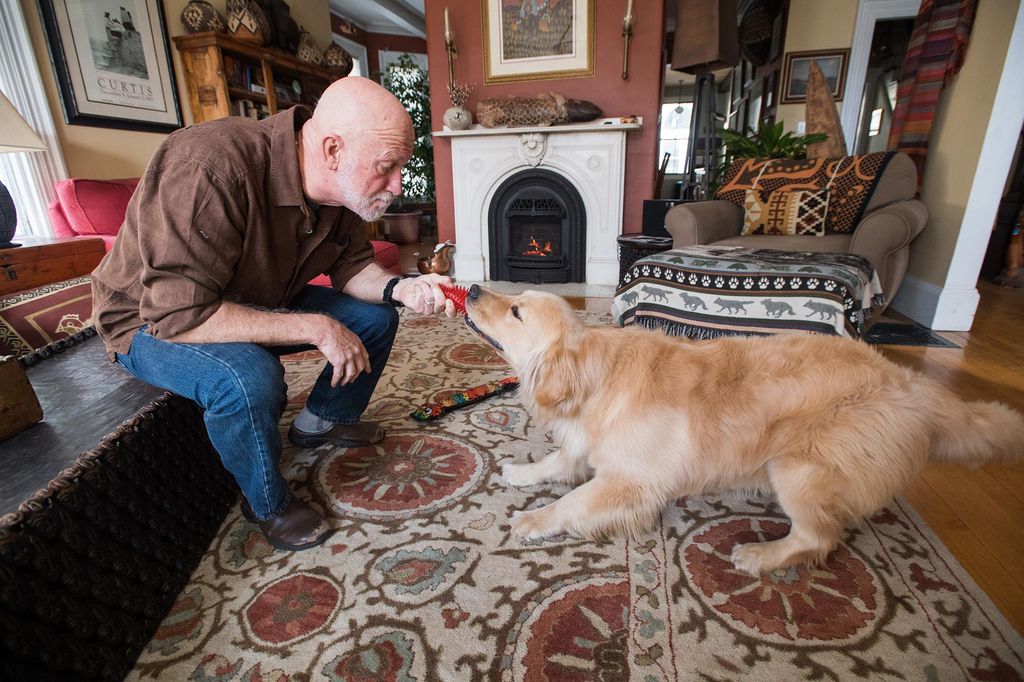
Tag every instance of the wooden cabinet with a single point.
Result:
(43, 260)
(231, 77)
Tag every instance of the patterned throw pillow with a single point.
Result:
(786, 212)
(853, 180)
(31, 319)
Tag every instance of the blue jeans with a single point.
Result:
(242, 390)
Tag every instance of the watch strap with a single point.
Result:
(389, 289)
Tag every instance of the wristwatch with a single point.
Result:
(388, 289)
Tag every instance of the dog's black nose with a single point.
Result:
(474, 292)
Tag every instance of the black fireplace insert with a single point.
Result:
(537, 227)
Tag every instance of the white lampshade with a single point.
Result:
(15, 134)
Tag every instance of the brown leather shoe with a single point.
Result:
(297, 527)
(343, 435)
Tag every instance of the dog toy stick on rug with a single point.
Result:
(431, 411)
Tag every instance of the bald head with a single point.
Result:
(353, 148)
(360, 106)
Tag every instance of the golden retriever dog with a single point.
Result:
(827, 424)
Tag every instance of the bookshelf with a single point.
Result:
(231, 77)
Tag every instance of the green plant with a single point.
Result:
(767, 142)
(411, 85)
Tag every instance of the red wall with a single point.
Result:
(639, 95)
(377, 41)
(382, 41)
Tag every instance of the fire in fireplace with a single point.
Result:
(537, 227)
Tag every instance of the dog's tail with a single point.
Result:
(974, 431)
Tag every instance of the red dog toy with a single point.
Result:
(456, 295)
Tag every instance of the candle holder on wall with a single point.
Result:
(453, 52)
(458, 116)
(627, 35)
(449, 47)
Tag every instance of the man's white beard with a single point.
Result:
(373, 207)
(369, 208)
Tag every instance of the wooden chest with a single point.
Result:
(42, 261)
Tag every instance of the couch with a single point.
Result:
(892, 218)
(96, 208)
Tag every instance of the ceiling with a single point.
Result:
(394, 17)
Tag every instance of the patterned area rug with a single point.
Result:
(422, 581)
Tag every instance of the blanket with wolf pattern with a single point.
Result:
(709, 291)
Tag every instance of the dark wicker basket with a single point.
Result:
(91, 564)
(633, 247)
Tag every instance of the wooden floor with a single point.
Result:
(978, 514)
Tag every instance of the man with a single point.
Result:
(205, 285)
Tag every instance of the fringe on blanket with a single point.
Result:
(682, 329)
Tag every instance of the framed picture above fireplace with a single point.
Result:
(538, 41)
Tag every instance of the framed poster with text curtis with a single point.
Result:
(112, 63)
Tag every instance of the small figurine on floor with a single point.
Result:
(431, 411)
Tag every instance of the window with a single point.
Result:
(675, 135)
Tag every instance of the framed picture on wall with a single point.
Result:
(798, 66)
(112, 63)
(538, 41)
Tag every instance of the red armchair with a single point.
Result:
(96, 208)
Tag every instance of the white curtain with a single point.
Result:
(30, 177)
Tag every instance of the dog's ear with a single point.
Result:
(558, 381)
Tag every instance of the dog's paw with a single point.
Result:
(521, 475)
(532, 525)
(751, 558)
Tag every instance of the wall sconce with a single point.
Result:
(627, 35)
(449, 47)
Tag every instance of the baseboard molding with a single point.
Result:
(948, 310)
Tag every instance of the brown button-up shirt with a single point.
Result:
(220, 215)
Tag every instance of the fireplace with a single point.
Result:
(581, 165)
(537, 229)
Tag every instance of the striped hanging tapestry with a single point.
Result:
(935, 53)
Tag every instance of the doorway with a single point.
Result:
(888, 48)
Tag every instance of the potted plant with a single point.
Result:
(411, 85)
(767, 142)
(403, 222)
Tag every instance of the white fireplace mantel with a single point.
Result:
(592, 156)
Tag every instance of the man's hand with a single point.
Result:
(423, 295)
(343, 350)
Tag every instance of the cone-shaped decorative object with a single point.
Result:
(822, 117)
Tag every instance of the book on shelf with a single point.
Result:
(244, 107)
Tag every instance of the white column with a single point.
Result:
(30, 177)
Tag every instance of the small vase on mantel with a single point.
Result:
(458, 118)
